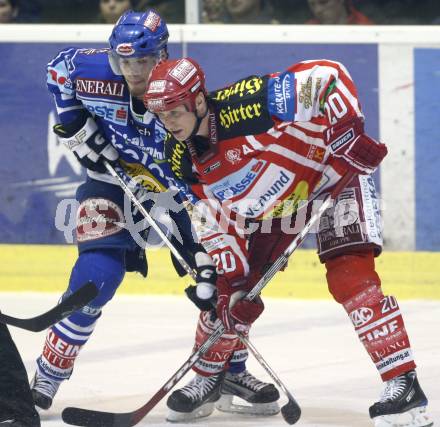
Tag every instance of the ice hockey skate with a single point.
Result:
(196, 399)
(21, 422)
(402, 404)
(43, 390)
(260, 398)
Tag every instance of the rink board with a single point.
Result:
(396, 70)
(46, 268)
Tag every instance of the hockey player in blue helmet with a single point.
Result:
(97, 95)
(100, 118)
(138, 41)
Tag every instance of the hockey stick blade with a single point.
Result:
(91, 418)
(85, 417)
(73, 302)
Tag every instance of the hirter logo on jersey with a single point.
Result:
(233, 155)
(125, 49)
(100, 87)
(152, 21)
(183, 71)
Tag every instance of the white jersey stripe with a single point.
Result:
(291, 155)
(313, 127)
(75, 327)
(61, 110)
(275, 133)
(64, 331)
(293, 131)
(254, 143)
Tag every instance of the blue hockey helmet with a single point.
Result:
(138, 34)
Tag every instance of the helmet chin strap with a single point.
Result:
(198, 122)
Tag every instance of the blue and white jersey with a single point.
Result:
(83, 79)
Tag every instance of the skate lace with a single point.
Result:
(199, 387)
(46, 386)
(249, 381)
(394, 388)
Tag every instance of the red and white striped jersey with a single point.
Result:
(266, 151)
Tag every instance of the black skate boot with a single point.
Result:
(196, 399)
(43, 390)
(22, 422)
(262, 396)
(402, 404)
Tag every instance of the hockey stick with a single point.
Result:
(290, 411)
(91, 418)
(148, 217)
(73, 302)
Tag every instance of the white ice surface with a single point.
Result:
(141, 341)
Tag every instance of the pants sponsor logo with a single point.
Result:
(361, 316)
(59, 353)
(384, 331)
(396, 359)
(98, 218)
(390, 349)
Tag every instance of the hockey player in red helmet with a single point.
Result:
(179, 89)
(255, 150)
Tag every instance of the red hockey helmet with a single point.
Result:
(173, 83)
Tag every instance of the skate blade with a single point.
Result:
(185, 417)
(416, 417)
(226, 404)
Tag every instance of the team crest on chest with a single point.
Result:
(233, 155)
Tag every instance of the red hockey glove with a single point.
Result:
(349, 143)
(233, 311)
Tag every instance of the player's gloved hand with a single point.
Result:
(348, 142)
(203, 295)
(234, 311)
(88, 145)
